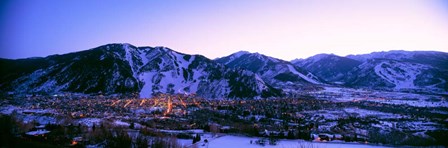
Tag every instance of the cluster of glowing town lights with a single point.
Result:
(165, 100)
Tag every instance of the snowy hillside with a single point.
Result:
(274, 71)
(397, 70)
(402, 75)
(432, 58)
(167, 71)
(397, 75)
(123, 68)
(331, 68)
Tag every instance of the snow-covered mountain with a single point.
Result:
(395, 70)
(331, 68)
(433, 58)
(274, 71)
(397, 75)
(123, 68)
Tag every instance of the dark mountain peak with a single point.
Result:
(239, 53)
(113, 46)
(126, 47)
(398, 55)
(316, 57)
(275, 71)
(329, 67)
(245, 55)
(324, 55)
(163, 48)
(321, 56)
(326, 58)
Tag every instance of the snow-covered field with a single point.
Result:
(345, 112)
(327, 114)
(90, 121)
(244, 142)
(399, 98)
(419, 100)
(189, 142)
(195, 131)
(365, 113)
(7, 110)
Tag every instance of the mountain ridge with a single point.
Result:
(147, 71)
(124, 68)
(274, 71)
(396, 70)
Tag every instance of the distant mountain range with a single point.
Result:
(147, 71)
(422, 71)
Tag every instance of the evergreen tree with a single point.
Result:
(194, 140)
(290, 135)
(141, 142)
(198, 137)
(132, 126)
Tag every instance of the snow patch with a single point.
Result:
(293, 70)
(400, 74)
(239, 141)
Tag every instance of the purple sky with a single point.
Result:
(285, 29)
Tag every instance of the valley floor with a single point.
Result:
(344, 117)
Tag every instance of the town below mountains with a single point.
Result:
(148, 71)
(120, 95)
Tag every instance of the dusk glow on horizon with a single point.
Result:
(286, 29)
